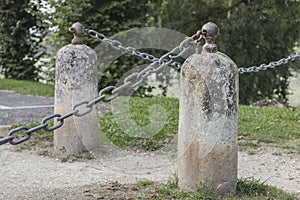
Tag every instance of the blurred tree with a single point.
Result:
(106, 16)
(252, 32)
(20, 38)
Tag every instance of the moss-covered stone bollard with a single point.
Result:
(76, 80)
(208, 119)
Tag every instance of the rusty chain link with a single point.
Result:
(132, 81)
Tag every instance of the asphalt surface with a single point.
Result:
(17, 108)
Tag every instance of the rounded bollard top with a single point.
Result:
(78, 30)
(210, 32)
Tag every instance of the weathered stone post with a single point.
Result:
(76, 80)
(208, 119)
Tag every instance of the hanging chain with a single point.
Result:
(132, 81)
(83, 108)
(116, 44)
(271, 65)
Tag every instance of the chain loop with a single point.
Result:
(163, 61)
(23, 139)
(65, 116)
(61, 122)
(95, 101)
(37, 128)
(107, 89)
(146, 72)
(88, 107)
(121, 87)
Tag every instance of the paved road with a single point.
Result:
(17, 108)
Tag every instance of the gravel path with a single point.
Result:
(25, 175)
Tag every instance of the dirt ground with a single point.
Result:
(26, 175)
(33, 174)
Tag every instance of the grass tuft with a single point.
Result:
(260, 190)
(143, 183)
(246, 189)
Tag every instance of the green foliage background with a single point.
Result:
(252, 32)
(107, 17)
(21, 33)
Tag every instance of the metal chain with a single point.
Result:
(132, 81)
(116, 44)
(271, 65)
(145, 56)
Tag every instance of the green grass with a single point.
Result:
(252, 189)
(247, 189)
(27, 87)
(273, 126)
(143, 183)
(139, 110)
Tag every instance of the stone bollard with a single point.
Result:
(208, 119)
(76, 80)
